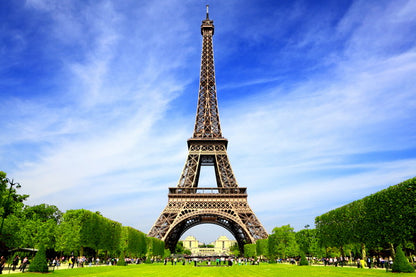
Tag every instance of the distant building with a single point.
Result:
(221, 246)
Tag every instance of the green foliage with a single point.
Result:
(166, 253)
(303, 260)
(250, 250)
(282, 242)
(134, 242)
(179, 248)
(155, 247)
(83, 228)
(401, 264)
(38, 225)
(71, 232)
(39, 263)
(11, 203)
(235, 250)
(121, 260)
(262, 248)
(309, 243)
(43, 212)
(386, 217)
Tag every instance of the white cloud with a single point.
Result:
(113, 138)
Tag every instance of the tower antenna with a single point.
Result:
(207, 12)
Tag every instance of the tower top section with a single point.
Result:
(207, 125)
(207, 26)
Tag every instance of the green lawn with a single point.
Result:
(282, 270)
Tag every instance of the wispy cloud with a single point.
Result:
(305, 112)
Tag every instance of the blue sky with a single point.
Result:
(98, 98)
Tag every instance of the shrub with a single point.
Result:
(39, 263)
(121, 261)
(303, 260)
(401, 264)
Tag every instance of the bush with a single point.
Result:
(401, 264)
(121, 261)
(303, 260)
(39, 263)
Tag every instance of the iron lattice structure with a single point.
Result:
(226, 204)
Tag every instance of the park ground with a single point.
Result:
(283, 270)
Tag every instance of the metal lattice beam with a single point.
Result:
(226, 204)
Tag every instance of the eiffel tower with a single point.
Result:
(226, 204)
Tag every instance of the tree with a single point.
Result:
(303, 260)
(38, 225)
(133, 241)
(282, 242)
(309, 243)
(401, 264)
(155, 247)
(387, 217)
(83, 228)
(39, 263)
(179, 249)
(121, 260)
(10, 201)
(11, 205)
(262, 248)
(68, 237)
(250, 250)
(304, 240)
(235, 250)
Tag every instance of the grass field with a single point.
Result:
(282, 270)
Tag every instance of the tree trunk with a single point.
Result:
(393, 252)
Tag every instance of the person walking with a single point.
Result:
(2, 264)
(15, 262)
(25, 262)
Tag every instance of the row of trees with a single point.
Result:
(385, 218)
(76, 232)
(379, 221)
(378, 224)
(284, 242)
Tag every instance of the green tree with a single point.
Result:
(250, 250)
(282, 242)
(155, 247)
(136, 242)
(179, 248)
(387, 217)
(10, 203)
(309, 243)
(235, 250)
(262, 248)
(68, 238)
(39, 263)
(167, 253)
(401, 264)
(83, 228)
(121, 260)
(38, 225)
(304, 240)
(303, 260)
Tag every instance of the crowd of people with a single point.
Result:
(24, 261)
(21, 263)
(370, 262)
(211, 261)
